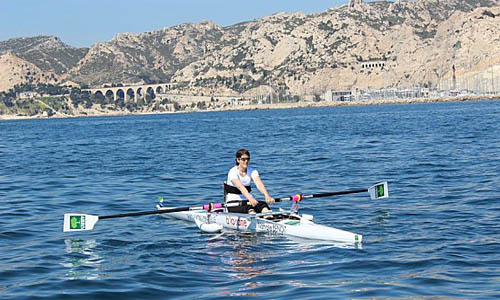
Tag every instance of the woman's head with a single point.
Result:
(242, 156)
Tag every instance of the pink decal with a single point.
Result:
(212, 206)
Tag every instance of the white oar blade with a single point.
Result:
(79, 222)
(379, 190)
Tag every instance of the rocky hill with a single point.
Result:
(43, 59)
(147, 57)
(15, 70)
(48, 53)
(370, 45)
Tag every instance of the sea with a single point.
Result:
(437, 236)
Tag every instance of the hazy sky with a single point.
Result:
(81, 23)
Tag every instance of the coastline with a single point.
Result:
(94, 113)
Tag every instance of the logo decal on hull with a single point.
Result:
(277, 229)
(237, 222)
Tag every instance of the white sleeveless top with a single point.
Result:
(246, 180)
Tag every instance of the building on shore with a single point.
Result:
(333, 96)
(28, 95)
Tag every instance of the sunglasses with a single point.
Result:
(244, 158)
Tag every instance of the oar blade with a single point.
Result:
(379, 190)
(79, 222)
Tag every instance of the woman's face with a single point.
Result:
(244, 160)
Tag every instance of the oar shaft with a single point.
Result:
(339, 193)
(300, 196)
(82, 222)
(165, 211)
(151, 212)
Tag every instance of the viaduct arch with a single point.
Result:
(131, 92)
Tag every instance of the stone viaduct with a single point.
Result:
(131, 92)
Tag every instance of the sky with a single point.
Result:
(81, 23)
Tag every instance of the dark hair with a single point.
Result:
(240, 153)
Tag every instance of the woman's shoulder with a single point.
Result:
(252, 171)
(233, 170)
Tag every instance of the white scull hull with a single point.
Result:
(278, 223)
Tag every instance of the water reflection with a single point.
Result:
(382, 216)
(244, 257)
(254, 262)
(81, 260)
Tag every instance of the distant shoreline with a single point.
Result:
(271, 106)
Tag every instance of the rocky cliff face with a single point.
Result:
(369, 45)
(43, 59)
(15, 70)
(147, 57)
(48, 53)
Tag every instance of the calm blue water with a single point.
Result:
(437, 235)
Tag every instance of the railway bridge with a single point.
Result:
(131, 92)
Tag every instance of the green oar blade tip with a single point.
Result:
(379, 190)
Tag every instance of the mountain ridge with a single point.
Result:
(371, 45)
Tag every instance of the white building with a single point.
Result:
(28, 95)
(332, 96)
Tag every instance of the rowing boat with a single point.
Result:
(213, 217)
(276, 223)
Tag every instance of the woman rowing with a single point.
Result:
(238, 187)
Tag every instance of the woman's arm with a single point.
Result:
(262, 188)
(244, 191)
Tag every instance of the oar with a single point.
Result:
(377, 191)
(81, 222)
